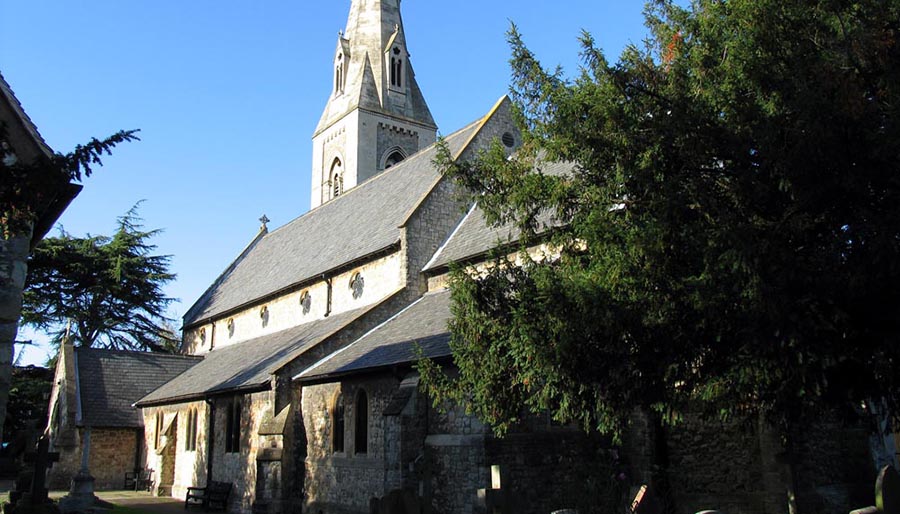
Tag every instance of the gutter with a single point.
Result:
(205, 396)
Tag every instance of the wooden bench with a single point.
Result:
(212, 497)
(139, 480)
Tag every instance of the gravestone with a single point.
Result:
(31, 491)
(887, 494)
(646, 502)
(496, 499)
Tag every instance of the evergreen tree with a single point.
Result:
(104, 291)
(27, 187)
(730, 235)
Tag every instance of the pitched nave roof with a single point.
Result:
(362, 222)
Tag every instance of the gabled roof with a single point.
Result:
(397, 341)
(362, 222)
(111, 381)
(7, 94)
(474, 237)
(248, 365)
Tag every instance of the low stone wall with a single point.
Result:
(112, 454)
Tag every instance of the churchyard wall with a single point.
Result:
(113, 452)
(744, 469)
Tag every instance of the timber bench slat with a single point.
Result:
(212, 497)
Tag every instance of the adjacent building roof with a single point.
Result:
(418, 331)
(362, 222)
(111, 381)
(474, 237)
(248, 365)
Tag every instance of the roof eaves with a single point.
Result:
(194, 397)
(338, 352)
(332, 377)
(295, 354)
(440, 249)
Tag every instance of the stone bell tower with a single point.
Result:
(376, 115)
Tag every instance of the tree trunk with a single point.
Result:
(13, 269)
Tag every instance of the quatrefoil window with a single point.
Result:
(305, 302)
(357, 283)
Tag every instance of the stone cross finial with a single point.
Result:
(264, 220)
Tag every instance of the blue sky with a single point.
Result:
(227, 95)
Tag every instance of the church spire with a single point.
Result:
(376, 115)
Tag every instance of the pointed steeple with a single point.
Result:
(376, 114)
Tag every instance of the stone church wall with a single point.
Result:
(426, 230)
(344, 482)
(446, 455)
(239, 468)
(175, 466)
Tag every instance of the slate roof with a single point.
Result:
(359, 223)
(7, 92)
(250, 364)
(473, 236)
(111, 381)
(422, 325)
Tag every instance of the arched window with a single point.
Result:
(393, 158)
(337, 424)
(157, 442)
(338, 184)
(336, 178)
(339, 75)
(190, 438)
(362, 422)
(233, 426)
(396, 69)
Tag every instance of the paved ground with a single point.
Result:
(135, 500)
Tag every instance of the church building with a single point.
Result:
(305, 395)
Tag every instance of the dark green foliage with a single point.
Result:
(732, 229)
(27, 407)
(26, 186)
(109, 288)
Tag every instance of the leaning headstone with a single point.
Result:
(887, 491)
(887, 494)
